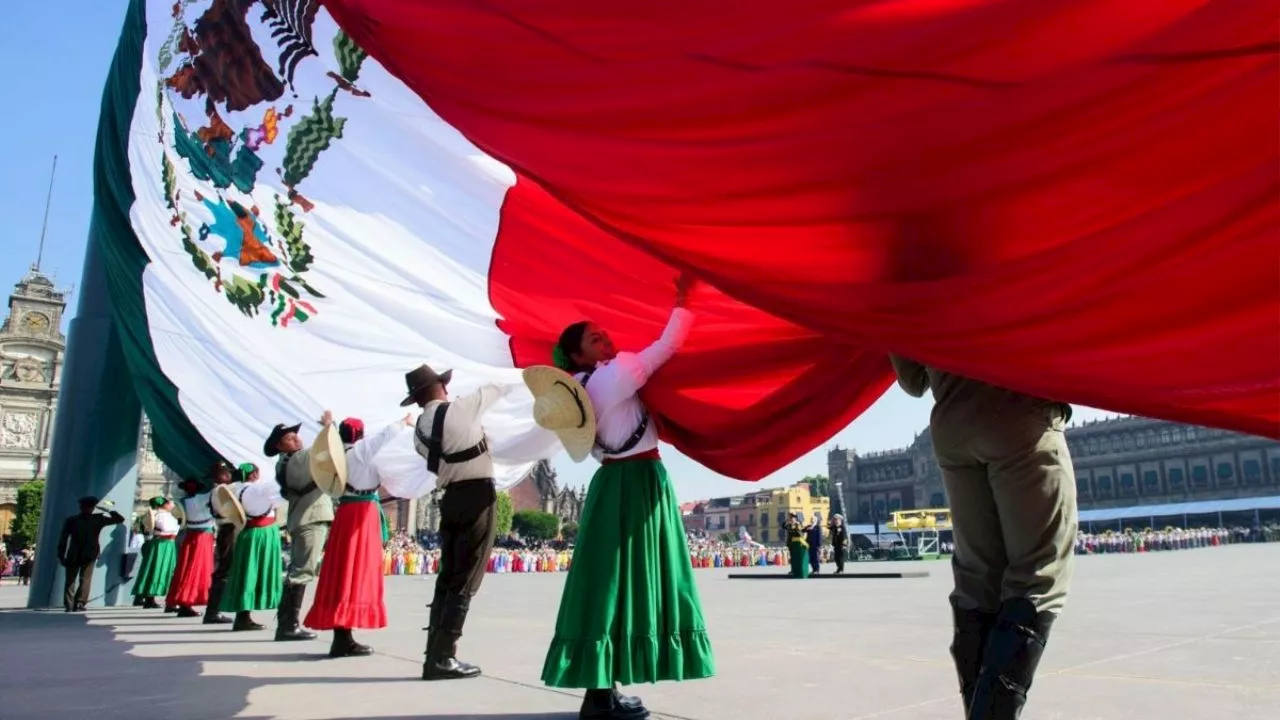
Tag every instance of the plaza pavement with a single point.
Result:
(1179, 635)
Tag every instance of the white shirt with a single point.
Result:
(614, 384)
(165, 523)
(362, 476)
(259, 498)
(462, 430)
(198, 512)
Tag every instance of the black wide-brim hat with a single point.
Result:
(277, 433)
(422, 378)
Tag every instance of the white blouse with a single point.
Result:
(362, 475)
(259, 498)
(198, 513)
(614, 384)
(165, 523)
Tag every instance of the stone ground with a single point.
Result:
(1180, 635)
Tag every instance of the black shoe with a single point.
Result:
(218, 619)
(346, 646)
(79, 607)
(244, 621)
(170, 609)
(603, 705)
(448, 669)
(186, 612)
(149, 603)
(139, 601)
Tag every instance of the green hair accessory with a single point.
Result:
(159, 501)
(561, 360)
(247, 469)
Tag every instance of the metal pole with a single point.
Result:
(48, 200)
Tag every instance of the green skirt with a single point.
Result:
(256, 578)
(799, 559)
(155, 567)
(630, 611)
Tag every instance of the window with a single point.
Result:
(1126, 483)
(764, 536)
(1200, 476)
(1151, 481)
(1104, 484)
(782, 518)
(764, 520)
(1225, 471)
(880, 509)
(938, 500)
(1142, 440)
(1252, 472)
(1082, 487)
(1165, 437)
(1275, 468)
(895, 504)
(1093, 446)
(1175, 478)
(864, 511)
(1189, 433)
(1128, 442)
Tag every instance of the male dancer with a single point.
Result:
(223, 547)
(310, 515)
(450, 438)
(1012, 491)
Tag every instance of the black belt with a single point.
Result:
(467, 480)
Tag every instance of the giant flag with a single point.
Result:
(301, 200)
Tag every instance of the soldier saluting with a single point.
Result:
(310, 515)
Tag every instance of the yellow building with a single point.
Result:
(774, 507)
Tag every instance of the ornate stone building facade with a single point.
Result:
(32, 349)
(1119, 463)
(540, 490)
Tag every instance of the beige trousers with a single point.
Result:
(305, 551)
(1012, 492)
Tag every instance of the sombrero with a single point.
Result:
(329, 461)
(561, 405)
(228, 505)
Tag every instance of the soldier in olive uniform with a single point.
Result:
(1012, 490)
(310, 515)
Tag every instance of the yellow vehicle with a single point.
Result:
(922, 526)
(929, 519)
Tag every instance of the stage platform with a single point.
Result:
(829, 576)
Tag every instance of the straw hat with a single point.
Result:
(227, 505)
(328, 459)
(561, 405)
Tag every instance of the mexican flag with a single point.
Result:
(304, 200)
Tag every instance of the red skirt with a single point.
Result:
(194, 575)
(349, 591)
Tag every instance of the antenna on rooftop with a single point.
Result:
(45, 227)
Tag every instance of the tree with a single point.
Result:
(504, 512)
(727, 537)
(26, 519)
(819, 485)
(569, 533)
(535, 524)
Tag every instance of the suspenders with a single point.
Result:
(435, 448)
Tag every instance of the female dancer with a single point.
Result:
(159, 555)
(630, 612)
(349, 592)
(256, 580)
(191, 582)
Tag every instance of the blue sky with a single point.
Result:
(57, 56)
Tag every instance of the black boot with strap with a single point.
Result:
(1009, 661)
(288, 625)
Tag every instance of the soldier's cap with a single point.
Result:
(277, 433)
(88, 500)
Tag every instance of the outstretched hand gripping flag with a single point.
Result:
(301, 200)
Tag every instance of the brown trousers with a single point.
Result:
(71, 595)
(1012, 492)
(468, 524)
